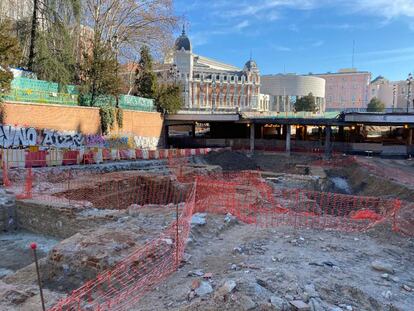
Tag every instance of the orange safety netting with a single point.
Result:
(124, 284)
(243, 194)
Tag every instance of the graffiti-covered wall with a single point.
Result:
(21, 137)
(74, 127)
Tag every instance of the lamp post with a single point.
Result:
(409, 82)
(394, 90)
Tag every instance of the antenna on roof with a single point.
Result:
(183, 29)
(353, 54)
(251, 54)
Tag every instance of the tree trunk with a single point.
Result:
(33, 35)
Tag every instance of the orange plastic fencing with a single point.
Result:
(257, 202)
(337, 161)
(176, 166)
(6, 179)
(245, 195)
(122, 286)
(393, 173)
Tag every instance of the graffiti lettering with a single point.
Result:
(94, 141)
(19, 137)
(147, 142)
(12, 137)
(59, 140)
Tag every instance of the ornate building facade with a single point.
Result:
(212, 85)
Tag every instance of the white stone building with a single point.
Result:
(392, 93)
(285, 89)
(211, 85)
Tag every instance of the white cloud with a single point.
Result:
(281, 48)
(318, 43)
(386, 8)
(262, 8)
(242, 25)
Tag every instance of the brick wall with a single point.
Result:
(85, 120)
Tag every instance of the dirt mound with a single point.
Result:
(231, 160)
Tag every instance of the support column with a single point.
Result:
(410, 137)
(288, 138)
(166, 136)
(193, 130)
(341, 133)
(252, 130)
(328, 146)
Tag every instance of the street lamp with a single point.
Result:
(394, 90)
(409, 82)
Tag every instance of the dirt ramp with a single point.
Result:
(231, 161)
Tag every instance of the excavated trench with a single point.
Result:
(119, 193)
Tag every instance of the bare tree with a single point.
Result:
(129, 24)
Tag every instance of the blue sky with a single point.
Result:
(303, 36)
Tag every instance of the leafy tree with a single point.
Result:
(146, 80)
(100, 78)
(33, 33)
(306, 103)
(107, 114)
(55, 59)
(9, 56)
(58, 18)
(375, 105)
(169, 99)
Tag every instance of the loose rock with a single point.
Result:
(198, 219)
(279, 303)
(227, 288)
(204, 289)
(299, 305)
(382, 266)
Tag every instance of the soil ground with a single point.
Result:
(329, 270)
(16, 253)
(284, 263)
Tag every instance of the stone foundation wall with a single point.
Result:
(57, 221)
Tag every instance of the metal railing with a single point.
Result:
(362, 110)
(34, 96)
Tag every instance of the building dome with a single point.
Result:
(183, 42)
(250, 65)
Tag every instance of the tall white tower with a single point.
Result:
(183, 59)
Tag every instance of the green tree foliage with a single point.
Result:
(306, 103)
(100, 78)
(52, 43)
(55, 60)
(375, 105)
(107, 114)
(146, 80)
(169, 98)
(9, 56)
(101, 85)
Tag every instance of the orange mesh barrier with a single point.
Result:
(123, 285)
(256, 202)
(245, 195)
